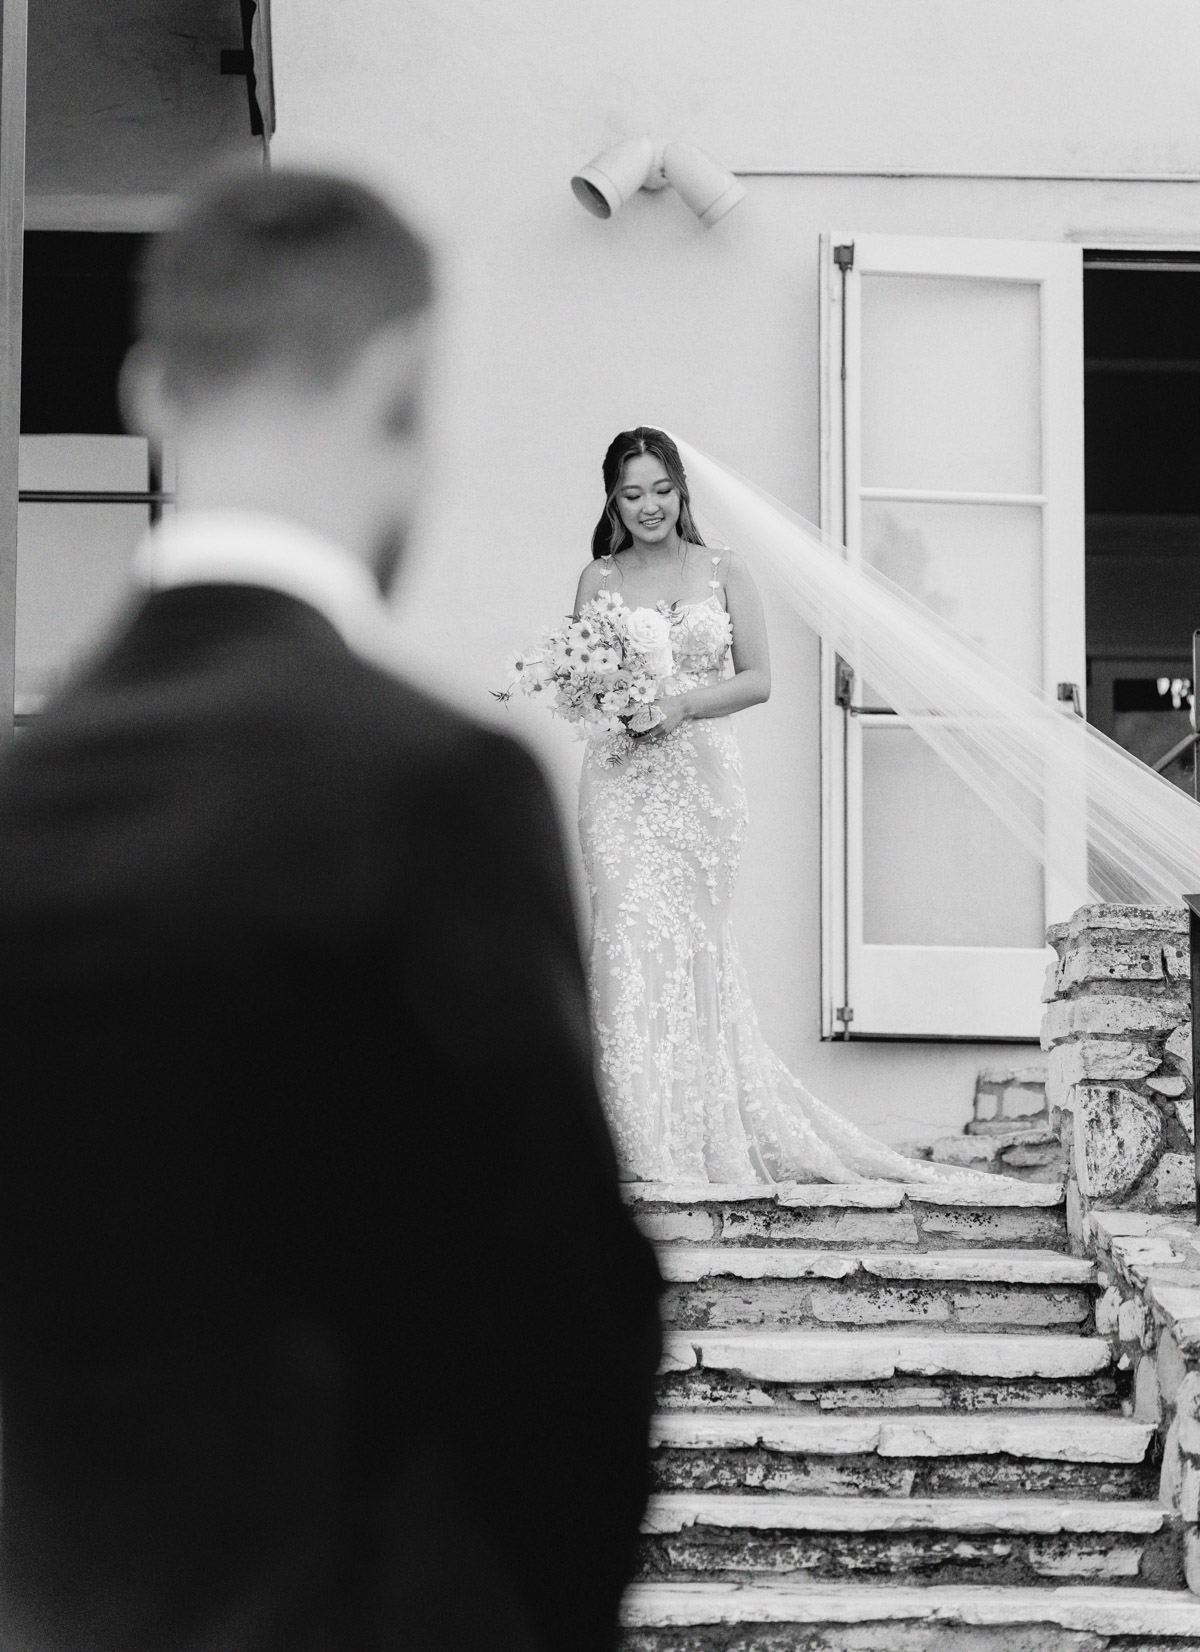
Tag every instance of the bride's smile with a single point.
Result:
(648, 504)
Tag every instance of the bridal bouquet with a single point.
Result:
(600, 672)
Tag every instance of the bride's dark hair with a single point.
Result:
(611, 534)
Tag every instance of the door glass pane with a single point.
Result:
(73, 561)
(978, 566)
(939, 869)
(951, 384)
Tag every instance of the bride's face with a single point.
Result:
(647, 500)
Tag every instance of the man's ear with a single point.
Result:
(140, 395)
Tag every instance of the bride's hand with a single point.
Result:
(672, 711)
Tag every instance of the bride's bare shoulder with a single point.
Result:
(596, 577)
(731, 566)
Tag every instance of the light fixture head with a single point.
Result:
(604, 185)
(707, 188)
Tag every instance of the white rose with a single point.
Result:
(650, 633)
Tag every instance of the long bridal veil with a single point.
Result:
(1106, 827)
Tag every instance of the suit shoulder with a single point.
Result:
(417, 724)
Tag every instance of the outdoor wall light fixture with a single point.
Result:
(605, 184)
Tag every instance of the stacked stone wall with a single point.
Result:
(1117, 1027)
(1149, 1310)
(1119, 1084)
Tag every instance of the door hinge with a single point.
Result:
(844, 1014)
(1068, 693)
(843, 689)
(843, 256)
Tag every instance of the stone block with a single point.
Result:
(966, 1150)
(1111, 1014)
(821, 1227)
(1131, 1321)
(1031, 1155)
(1191, 1559)
(1185, 1112)
(1023, 1106)
(1107, 1312)
(1187, 1399)
(1189, 1493)
(1171, 1367)
(980, 1305)
(1116, 914)
(854, 1196)
(994, 1227)
(1120, 955)
(1050, 982)
(1029, 1073)
(1117, 1138)
(678, 1353)
(1104, 1059)
(1116, 1228)
(1105, 915)
(1077, 1221)
(1170, 1479)
(1175, 1181)
(1166, 1084)
(870, 1356)
(987, 1267)
(1180, 1044)
(1147, 1400)
(1008, 1130)
(1178, 1301)
(880, 1307)
(664, 1227)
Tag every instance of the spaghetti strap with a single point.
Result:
(608, 565)
(714, 583)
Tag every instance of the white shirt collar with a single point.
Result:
(234, 547)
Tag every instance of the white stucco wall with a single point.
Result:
(559, 330)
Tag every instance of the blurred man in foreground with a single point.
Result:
(322, 1325)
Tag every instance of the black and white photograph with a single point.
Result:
(600, 829)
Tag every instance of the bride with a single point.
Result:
(691, 1089)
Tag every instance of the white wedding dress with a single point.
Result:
(690, 1087)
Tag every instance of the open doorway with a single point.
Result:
(1142, 419)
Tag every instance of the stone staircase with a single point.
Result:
(886, 1421)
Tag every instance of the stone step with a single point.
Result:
(999, 1213)
(1038, 1123)
(982, 1149)
(932, 1539)
(724, 1286)
(1029, 1154)
(801, 1370)
(855, 1617)
(798, 1356)
(904, 1455)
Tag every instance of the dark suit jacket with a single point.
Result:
(319, 1311)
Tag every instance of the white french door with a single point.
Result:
(952, 432)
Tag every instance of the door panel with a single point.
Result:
(952, 439)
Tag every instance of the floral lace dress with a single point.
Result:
(691, 1090)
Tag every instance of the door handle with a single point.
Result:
(843, 694)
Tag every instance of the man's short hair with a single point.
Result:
(291, 270)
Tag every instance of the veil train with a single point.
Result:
(1058, 784)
